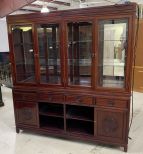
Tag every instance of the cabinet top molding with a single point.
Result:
(121, 9)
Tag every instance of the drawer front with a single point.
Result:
(26, 113)
(111, 103)
(51, 97)
(24, 96)
(79, 99)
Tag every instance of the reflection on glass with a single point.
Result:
(79, 53)
(23, 53)
(113, 45)
(49, 53)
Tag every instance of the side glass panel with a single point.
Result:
(49, 53)
(23, 53)
(112, 52)
(79, 53)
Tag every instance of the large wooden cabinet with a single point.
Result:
(72, 72)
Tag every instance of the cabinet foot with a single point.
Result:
(1, 104)
(125, 148)
(17, 130)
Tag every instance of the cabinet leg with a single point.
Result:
(1, 101)
(17, 130)
(1, 104)
(125, 148)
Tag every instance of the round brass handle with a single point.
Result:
(78, 99)
(111, 103)
(50, 99)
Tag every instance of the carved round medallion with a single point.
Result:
(27, 114)
(109, 124)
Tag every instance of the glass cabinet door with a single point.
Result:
(49, 53)
(113, 35)
(23, 53)
(79, 53)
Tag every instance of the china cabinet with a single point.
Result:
(72, 72)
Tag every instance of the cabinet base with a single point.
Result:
(72, 136)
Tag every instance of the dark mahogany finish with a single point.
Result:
(72, 72)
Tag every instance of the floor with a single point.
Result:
(30, 143)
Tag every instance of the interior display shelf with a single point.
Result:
(80, 127)
(51, 122)
(51, 109)
(51, 114)
(80, 112)
(78, 117)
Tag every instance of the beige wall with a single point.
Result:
(138, 71)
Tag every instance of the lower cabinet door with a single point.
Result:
(26, 113)
(111, 125)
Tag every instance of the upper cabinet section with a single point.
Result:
(84, 49)
(23, 53)
(79, 53)
(113, 45)
(49, 53)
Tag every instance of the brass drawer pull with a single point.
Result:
(78, 99)
(111, 104)
(50, 99)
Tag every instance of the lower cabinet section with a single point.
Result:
(26, 113)
(93, 122)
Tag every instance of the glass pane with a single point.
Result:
(113, 46)
(49, 53)
(23, 53)
(79, 53)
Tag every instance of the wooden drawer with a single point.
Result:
(111, 103)
(51, 97)
(79, 99)
(24, 96)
